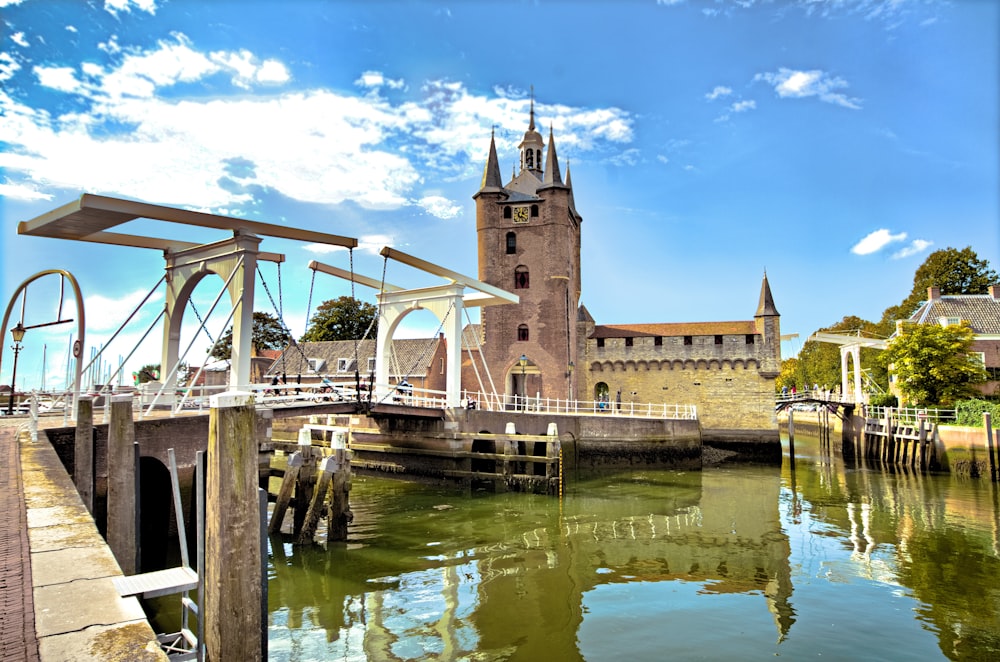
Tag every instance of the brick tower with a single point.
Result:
(529, 243)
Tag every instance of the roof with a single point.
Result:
(412, 355)
(674, 329)
(981, 311)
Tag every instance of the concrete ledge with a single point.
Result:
(78, 613)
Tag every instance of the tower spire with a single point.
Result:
(491, 173)
(766, 305)
(552, 174)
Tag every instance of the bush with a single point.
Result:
(883, 400)
(970, 412)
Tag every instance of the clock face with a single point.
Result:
(520, 214)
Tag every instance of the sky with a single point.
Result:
(833, 144)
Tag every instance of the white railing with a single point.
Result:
(538, 405)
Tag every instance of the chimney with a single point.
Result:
(995, 291)
(933, 293)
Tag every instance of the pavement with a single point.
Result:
(57, 598)
(18, 640)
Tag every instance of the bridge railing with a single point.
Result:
(537, 405)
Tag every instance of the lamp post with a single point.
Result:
(524, 384)
(569, 375)
(18, 334)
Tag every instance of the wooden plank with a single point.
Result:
(155, 584)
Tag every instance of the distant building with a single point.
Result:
(982, 313)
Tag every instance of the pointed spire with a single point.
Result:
(552, 175)
(569, 185)
(766, 305)
(531, 123)
(491, 173)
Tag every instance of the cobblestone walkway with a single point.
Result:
(17, 610)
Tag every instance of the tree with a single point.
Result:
(343, 318)
(147, 373)
(953, 271)
(932, 363)
(268, 333)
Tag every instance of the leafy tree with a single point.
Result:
(268, 333)
(787, 375)
(343, 318)
(932, 363)
(954, 271)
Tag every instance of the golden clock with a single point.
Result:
(520, 214)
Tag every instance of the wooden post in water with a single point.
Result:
(988, 424)
(285, 492)
(339, 514)
(122, 485)
(791, 425)
(325, 475)
(306, 481)
(232, 531)
(921, 445)
(83, 455)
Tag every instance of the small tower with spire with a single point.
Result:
(768, 324)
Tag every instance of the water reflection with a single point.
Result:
(812, 558)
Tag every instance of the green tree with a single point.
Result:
(147, 373)
(343, 318)
(268, 333)
(932, 363)
(953, 271)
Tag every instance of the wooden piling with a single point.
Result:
(83, 454)
(232, 532)
(285, 492)
(339, 511)
(988, 424)
(323, 479)
(122, 485)
(306, 481)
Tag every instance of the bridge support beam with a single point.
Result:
(854, 351)
(446, 303)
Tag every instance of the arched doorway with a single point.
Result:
(602, 392)
(524, 381)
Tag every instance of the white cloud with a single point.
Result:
(115, 6)
(796, 84)
(743, 106)
(8, 67)
(375, 80)
(373, 243)
(876, 241)
(916, 246)
(439, 206)
(719, 91)
(107, 314)
(22, 192)
(18, 38)
(57, 78)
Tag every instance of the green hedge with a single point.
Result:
(970, 413)
(883, 400)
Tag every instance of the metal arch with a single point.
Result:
(81, 326)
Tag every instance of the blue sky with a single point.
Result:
(834, 143)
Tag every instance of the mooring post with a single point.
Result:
(285, 492)
(339, 514)
(83, 454)
(305, 482)
(122, 485)
(791, 426)
(988, 424)
(325, 475)
(232, 531)
(552, 453)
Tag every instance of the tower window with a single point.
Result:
(718, 340)
(688, 340)
(628, 342)
(522, 333)
(511, 243)
(600, 342)
(506, 212)
(658, 341)
(521, 280)
(530, 156)
(534, 211)
(749, 338)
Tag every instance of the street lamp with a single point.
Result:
(524, 385)
(18, 334)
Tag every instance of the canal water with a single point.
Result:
(811, 559)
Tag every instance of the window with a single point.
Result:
(749, 338)
(371, 364)
(688, 340)
(628, 342)
(521, 280)
(534, 211)
(600, 343)
(343, 365)
(511, 243)
(506, 212)
(950, 321)
(522, 333)
(441, 366)
(718, 340)
(315, 365)
(658, 341)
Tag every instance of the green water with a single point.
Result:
(736, 562)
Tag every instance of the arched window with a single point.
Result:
(534, 211)
(506, 212)
(511, 243)
(530, 156)
(521, 281)
(522, 333)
